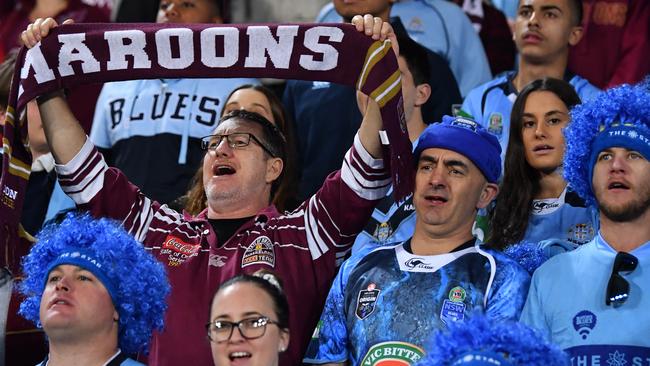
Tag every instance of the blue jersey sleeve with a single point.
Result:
(508, 294)
(329, 343)
(472, 105)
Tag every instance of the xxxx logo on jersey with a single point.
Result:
(392, 354)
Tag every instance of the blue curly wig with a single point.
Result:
(509, 341)
(139, 283)
(627, 106)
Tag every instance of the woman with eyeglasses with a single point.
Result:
(535, 205)
(261, 100)
(249, 321)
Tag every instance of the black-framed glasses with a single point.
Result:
(249, 328)
(618, 289)
(235, 140)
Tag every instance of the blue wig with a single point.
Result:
(627, 106)
(137, 283)
(513, 342)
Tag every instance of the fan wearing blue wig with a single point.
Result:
(481, 341)
(95, 292)
(594, 301)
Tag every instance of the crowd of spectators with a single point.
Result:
(269, 205)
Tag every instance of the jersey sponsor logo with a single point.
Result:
(383, 231)
(260, 251)
(217, 260)
(609, 355)
(178, 251)
(392, 354)
(366, 301)
(541, 207)
(581, 233)
(584, 322)
(415, 25)
(457, 294)
(495, 125)
(418, 263)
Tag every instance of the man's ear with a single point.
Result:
(490, 191)
(422, 94)
(274, 168)
(576, 35)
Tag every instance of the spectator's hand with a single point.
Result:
(36, 31)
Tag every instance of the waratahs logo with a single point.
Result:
(584, 322)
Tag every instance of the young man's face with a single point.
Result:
(188, 11)
(76, 304)
(239, 174)
(620, 184)
(349, 8)
(544, 29)
(448, 190)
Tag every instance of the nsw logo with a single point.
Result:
(584, 323)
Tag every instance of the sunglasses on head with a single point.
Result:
(618, 289)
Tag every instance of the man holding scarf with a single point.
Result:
(240, 232)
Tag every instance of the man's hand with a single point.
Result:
(38, 30)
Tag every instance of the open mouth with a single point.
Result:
(541, 148)
(617, 185)
(239, 355)
(436, 199)
(222, 169)
(58, 302)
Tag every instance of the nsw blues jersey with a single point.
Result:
(386, 304)
(566, 219)
(567, 302)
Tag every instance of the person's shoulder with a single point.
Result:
(504, 261)
(564, 262)
(328, 14)
(441, 6)
(584, 88)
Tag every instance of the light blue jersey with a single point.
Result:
(567, 302)
(491, 103)
(565, 219)
(442, 27)
(386, 304)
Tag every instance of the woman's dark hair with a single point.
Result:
(284, 188)
(520, 184)
(271, 284)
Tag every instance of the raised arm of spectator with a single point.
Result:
(63, 132)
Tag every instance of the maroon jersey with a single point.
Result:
(303, 247)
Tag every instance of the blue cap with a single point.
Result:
(467, 138)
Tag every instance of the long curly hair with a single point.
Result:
(626, 103)
(139, 280)
(519, 344)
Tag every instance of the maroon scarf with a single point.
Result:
(89, 53)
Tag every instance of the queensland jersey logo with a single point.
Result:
(581, 233)
(584, 322)
(383, 231)
(392, 354)
(366, 301)
(260, 251)
(495, 125)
